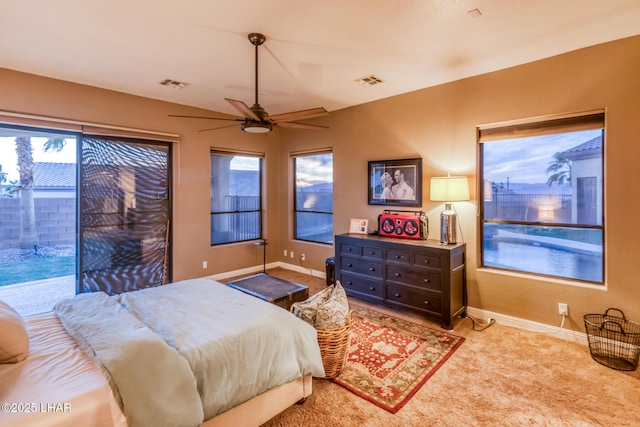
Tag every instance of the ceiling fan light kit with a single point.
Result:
(256, 119)
(256, 127)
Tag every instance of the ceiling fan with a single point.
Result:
(256, 119)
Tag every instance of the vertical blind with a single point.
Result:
(125, 208)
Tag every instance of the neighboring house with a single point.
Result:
(586, 188)
(243, 182)
(54, 180)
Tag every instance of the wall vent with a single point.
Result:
(474, 13)
(369, 80)
(174, 84)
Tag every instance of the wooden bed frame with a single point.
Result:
(262, 408)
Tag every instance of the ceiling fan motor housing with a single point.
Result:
(259, 111)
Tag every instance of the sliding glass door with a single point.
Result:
(125, 211)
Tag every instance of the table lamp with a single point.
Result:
(449, 189)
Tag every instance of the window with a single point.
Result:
(542, 209)
(236, 202)
(313, 197)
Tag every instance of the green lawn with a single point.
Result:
(36, 269)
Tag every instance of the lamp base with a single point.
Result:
(448, 225)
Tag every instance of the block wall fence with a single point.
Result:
(55, 222)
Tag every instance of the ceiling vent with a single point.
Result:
(369, 80)
(474, 13)
(174, 84)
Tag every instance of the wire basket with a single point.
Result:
(613, 341)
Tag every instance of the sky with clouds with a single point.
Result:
(525, 160)
(8, 157)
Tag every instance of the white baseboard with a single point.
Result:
(477, 313)
(528, 325)
(259, 269)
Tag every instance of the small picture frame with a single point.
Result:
(395, 182)
(359, 226)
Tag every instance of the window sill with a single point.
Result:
(534, 277)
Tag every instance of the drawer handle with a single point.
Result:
(372, 253)
(349, 265)
(349, 283)
(349, 250)
(426, 261)
(426, 303)
(427, 280)
(372, 269)
(398, 295)
(398, 274)
(371, 288)
(399, 256)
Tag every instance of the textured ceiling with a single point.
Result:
(314, 52)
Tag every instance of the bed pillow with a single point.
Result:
(306, 310)
(14, 339)
(333, 312)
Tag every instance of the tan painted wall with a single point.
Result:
(437, 124)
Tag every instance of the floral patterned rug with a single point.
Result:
(390, 358)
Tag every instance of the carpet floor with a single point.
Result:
(501, 376)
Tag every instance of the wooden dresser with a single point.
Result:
(420, 276)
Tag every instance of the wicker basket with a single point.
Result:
(334, 347)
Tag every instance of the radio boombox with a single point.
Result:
(412, 226)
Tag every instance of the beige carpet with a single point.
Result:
(501, 376)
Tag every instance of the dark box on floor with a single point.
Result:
(272, 289)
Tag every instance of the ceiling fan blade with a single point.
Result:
(220, 127)
(203, 117)
(293, 125)
(299, 115)
(243, 108)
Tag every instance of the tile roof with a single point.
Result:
(592, 144)
(54, 175)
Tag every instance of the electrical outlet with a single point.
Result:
(285, 252)
(302, 257)
(204, 264)
(563, 309)
(291, 254)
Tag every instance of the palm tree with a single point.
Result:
(560, 170)
(3, 176)
(24, 150)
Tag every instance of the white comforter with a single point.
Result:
(162, 346)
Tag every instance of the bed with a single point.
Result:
(189, 353)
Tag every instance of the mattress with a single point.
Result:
(57, 385)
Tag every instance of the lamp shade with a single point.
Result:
(449, 188)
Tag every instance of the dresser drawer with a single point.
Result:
(415, 277)
(346, 248)
(361, 266)
(371, 287)
(425, 260)
(423, 300)
(371, 252)
(398, 256)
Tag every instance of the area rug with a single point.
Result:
(390, 358)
